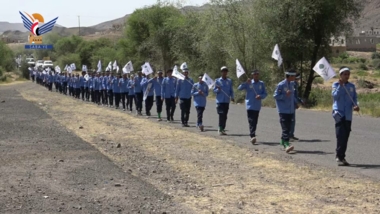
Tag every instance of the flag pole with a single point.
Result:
(352, 100)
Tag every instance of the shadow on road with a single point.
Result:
(313, 141)
(270, 143)
(239, 135)
(315, 152)
(365, 166)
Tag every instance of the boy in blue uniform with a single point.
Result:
(183, 92)
(150, 94)
(286, 105)
(138, 93)
(123, 89)
(168, 94)
(131, 92)
(200, 93)
(115, 82)
(299, 101)
(156, 84)
(255, 93)
(81, 84)
(344, 102)
(224, 95)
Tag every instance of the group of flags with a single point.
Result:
(322, 67)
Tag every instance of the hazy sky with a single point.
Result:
(90, 12)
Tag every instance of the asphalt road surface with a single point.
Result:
(315, 129)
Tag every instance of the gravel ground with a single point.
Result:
(46, 168)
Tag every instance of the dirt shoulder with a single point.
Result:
(204, 173)
(46, 168)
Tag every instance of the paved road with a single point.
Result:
(315, 130)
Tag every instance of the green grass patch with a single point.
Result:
(369, 102)
(362, 73)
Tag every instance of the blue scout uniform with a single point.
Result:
(183, 92)
(157, 85)
(223, 99)
(200, 100)
(131, 93)
(252, 104)
(344, 100)
(168, 88)
(286, 108)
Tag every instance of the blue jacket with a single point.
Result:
(168, 87)
(285, 104)
(144, 84)
(226, 93)
(77, 82)
(138, 88)
(95, 83)
(123, 85)
(81, 81)
(115, 85)
(200, 100)
(157, 85)
(51, 78)
(342, 103)
(130, 86)
(105, 83)
(90, 82)
(183, 89)
(65, 78)
(251, 103)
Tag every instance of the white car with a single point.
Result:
(39, 63)
(30, 61)
(47, 64)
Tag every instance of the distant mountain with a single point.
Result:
(6, 26)
(370, 17)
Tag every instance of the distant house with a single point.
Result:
(362, 43)
(338, 45)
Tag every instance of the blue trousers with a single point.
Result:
(293, 126)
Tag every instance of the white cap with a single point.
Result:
(223, 68)
(343, 70)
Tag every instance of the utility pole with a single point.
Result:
(79, 24)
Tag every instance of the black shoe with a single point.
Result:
(342, 162)
(183, 125)
(172, 119)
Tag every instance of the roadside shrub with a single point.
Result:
(375, 55)
(1, 72)
(318, 80)
(362, 60)
(376, 64)
(363, 66)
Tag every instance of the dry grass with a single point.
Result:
(205, 173)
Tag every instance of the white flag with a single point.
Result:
(109, 67)
(148, 88)
(84, 67)
(207, 79)
(99, 66)
(73, 66)
(65, 69)
(128, 67)
(324, 69)
(86, 77)
(183, 66)
(117, 69)
(277, 55)
(57, 69)
(114, 66)
(147, 69)
(69, 69)
(239, 69)
(177, 74)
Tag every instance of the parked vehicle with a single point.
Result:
(47, 64)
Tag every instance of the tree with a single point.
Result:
(303, 28)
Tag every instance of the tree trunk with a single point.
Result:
(311, 75)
